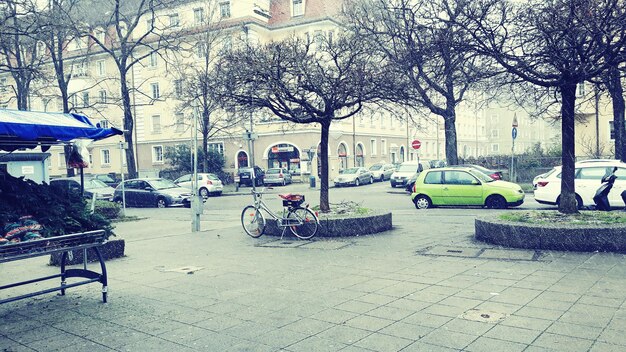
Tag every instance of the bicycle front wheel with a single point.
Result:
(308, 223)
(253, 221)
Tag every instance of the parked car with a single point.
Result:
(408, 169)
(588, 175)
(246, 175)
(92, 186)
(108, 179)
(208, 184)
(353, 176)
(277, 176)
(382, 172)
(152, 192)
(495, 174)
(464, 186)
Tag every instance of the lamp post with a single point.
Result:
(514, 135)
(196, 202)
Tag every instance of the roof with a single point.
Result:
(29, 129)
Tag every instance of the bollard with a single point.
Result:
(312, 181)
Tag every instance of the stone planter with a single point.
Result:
(342, 227)
(111, 249)
(562, 237)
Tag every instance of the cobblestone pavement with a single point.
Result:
(424, 286)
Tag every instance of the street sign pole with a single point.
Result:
(122, 147)
(514, 125)
(196, 202)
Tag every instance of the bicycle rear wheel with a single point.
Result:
(253, 221)
(308, 223)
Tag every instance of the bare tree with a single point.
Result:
(18, 48)
(129, 32)
(612, 80)
(553, 44)
(419, 38)
(307, 82)
(198, 81)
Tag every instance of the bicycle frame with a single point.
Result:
(281, 221)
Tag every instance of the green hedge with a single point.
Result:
(108, 209)
(59, 212)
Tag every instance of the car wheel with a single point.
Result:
(218, 193)
(204, 193)
(161, 203)
(422, 202)
(495, 201)
(356, 182)
(382, 178)
(284, 183)
(371, 180)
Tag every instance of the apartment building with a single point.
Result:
(370, 137)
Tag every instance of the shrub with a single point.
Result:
(107, 209)
(59, 212)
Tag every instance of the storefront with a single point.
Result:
(358, 159)
(342, 153)
(242, 159)
(284, 155)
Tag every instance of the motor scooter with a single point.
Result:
(602, 194)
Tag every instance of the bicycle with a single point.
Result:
(302, 222)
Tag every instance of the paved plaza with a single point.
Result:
(424, 286)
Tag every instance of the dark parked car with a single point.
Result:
(109, 179)
(247, 174)
(153, 192)
(92, 186)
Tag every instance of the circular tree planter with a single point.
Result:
(553, 236)
(354, 225)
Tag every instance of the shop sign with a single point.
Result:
(277, 149)
(294, 160)
(343, 155)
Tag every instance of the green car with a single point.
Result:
(464, 186)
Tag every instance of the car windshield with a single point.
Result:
(91, 184)
(482, 177)
(408, 168)
(375, 167)
(106, 178)
(162, 184)
(351, 170)
(273, 171)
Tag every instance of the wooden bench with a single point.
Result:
(64, 244)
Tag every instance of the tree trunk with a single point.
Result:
(128, 126)
(449, 119)
(324, 203)
(567, 202)
(617, 97)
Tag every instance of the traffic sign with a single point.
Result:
(416, 144)
(514, 132)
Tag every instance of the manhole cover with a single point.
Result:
(508, 254)
(455, 251)
(185, 269)
(484, 316)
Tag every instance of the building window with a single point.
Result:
(102, 97)
(100, 35)
(155, 91)
(178, 88)
(216, 148)
(104, 123)
(383, 146)
(156, 124)
(3, 84)
(153, 60)
(73, 100)
(61, 163)
(85, 99)
(79, 69)
(200, 50)
(495, 148)
(198, 16)
(157, 154)
(318, 38)
(373, 147)
(106, 157)
(180, 122)
(225, 9)
(580, 92)
(297, 8)
(612, 130)
(174, 20)
(100, 67)
(495, 133)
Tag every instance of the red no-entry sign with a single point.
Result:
(416, 144)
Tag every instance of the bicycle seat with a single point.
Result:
(290, 196)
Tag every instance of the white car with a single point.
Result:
(382, 172)
(208, 184)
(353, 176)
(588, 175)
(407, 169)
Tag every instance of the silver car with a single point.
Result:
(277, 176)
(382, 172)
(353, 176)
(208, 184)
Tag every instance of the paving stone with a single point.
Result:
(541, 313)
(325, 245)
(335, 316)
(391, 313)
(606, 347)
(468, 327)
(407, 331)
(356, 306)
(615, 337)
(377, 299)
(562, 343)
(381, 342)
(314, 343)
(218, 323)
(507, 254)
(420, 346)
(344, 334)
(454, 251)
(448, 339)
(309, 326)
(426, 319)
(567, 329)
(369, 323)
(513, 334)
(485, 344)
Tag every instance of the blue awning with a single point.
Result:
(29, 129)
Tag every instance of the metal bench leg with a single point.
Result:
(103, 276)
